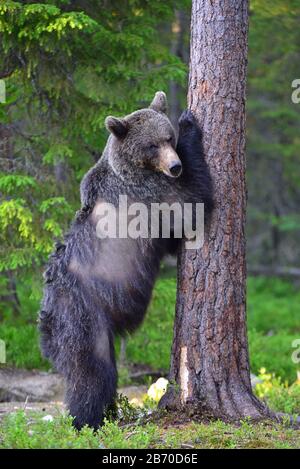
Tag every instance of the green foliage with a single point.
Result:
(151, 345)
(27, 236)
(273, 306)
(22, 346)
(66, 67)
(126, 412)
(273, 122)
(273, 324)
(114, 437)
(18, 432)
(28, 430)
(9, 182)
(278, 395)
(273, 352)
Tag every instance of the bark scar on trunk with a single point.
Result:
(184, 375)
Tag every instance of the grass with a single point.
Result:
(273, 306)
(29, 430)
(274, 353)
(22, 346)
(273, 324)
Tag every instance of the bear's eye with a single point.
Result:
(153, 146)
(169, 140)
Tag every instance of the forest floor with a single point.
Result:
(46, 425)
(49, 427)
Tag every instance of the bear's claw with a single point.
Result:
(187, 119)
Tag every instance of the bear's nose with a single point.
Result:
(175, 169)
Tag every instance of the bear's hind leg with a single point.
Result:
(92, 383)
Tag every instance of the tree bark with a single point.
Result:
(210, 361)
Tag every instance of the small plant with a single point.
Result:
(126, 412)
(279, 395)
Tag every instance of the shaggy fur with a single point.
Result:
(97, 288)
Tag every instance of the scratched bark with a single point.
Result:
(210, 361)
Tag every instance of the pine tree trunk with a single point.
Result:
(210, 361)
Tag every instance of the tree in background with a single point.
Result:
(210, 361)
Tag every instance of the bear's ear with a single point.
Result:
(118, 127)
(159, 102)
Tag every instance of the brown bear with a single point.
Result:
(97, 287)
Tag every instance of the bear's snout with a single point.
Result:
(169, 162)
(175, 169)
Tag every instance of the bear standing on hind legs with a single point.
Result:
(98, 287)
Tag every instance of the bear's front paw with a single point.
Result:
(187, 120)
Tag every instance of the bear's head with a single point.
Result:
(144, 140)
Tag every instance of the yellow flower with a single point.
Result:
(158, 389)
